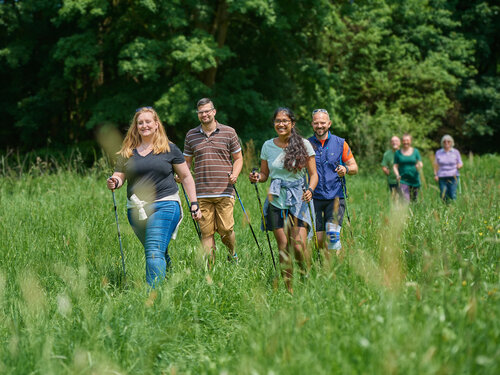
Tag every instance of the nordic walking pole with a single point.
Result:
(119, 235)
(313, 228)
(248, 219)
(196, 225)
(343, 183)
(344, 188)
(264, 220)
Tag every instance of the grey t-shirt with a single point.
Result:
(150, 177)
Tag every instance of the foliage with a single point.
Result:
(379, 66)
(478, 121)
(417, 292)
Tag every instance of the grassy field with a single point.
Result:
(417, 292)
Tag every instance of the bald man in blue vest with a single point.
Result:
(334, 160)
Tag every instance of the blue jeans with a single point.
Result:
(155, 233)
(448, 187)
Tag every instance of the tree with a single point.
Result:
(379, 66)
(476, 120)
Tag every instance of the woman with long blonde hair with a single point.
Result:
(148, 161)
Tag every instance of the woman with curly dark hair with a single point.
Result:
(286, 159)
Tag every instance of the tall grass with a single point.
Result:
(417, 291)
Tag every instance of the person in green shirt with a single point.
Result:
(388, 162)
(407, 162)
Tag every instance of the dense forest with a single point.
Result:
(378, 66)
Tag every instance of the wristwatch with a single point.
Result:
(197, 207)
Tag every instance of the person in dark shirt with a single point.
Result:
(147, 160)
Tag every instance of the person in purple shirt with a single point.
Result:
(446, 165)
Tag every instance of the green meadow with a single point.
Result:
(417, 291)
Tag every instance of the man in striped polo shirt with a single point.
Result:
(217, 164)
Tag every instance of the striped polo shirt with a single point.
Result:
(212, 159)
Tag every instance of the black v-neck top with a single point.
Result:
(150, 177)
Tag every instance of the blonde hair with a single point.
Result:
(133, 139)
(447, 137)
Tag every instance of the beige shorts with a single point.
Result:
(217, 215)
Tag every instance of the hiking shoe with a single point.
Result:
(233, 258)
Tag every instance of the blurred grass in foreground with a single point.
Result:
(417, 292)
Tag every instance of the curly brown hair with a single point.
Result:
(295, 153)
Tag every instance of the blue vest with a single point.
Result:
(328, 157)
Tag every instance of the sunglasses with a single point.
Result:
(141, 108)
(321, 110)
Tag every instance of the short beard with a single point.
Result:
(318, 135)
(207, 122)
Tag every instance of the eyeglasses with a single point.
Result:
(284, 122)
(205, 112)
(321, 110)
(141, 108)
(446, 141)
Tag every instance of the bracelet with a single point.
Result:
(197, 207)
(311, 190)
(346, 169)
